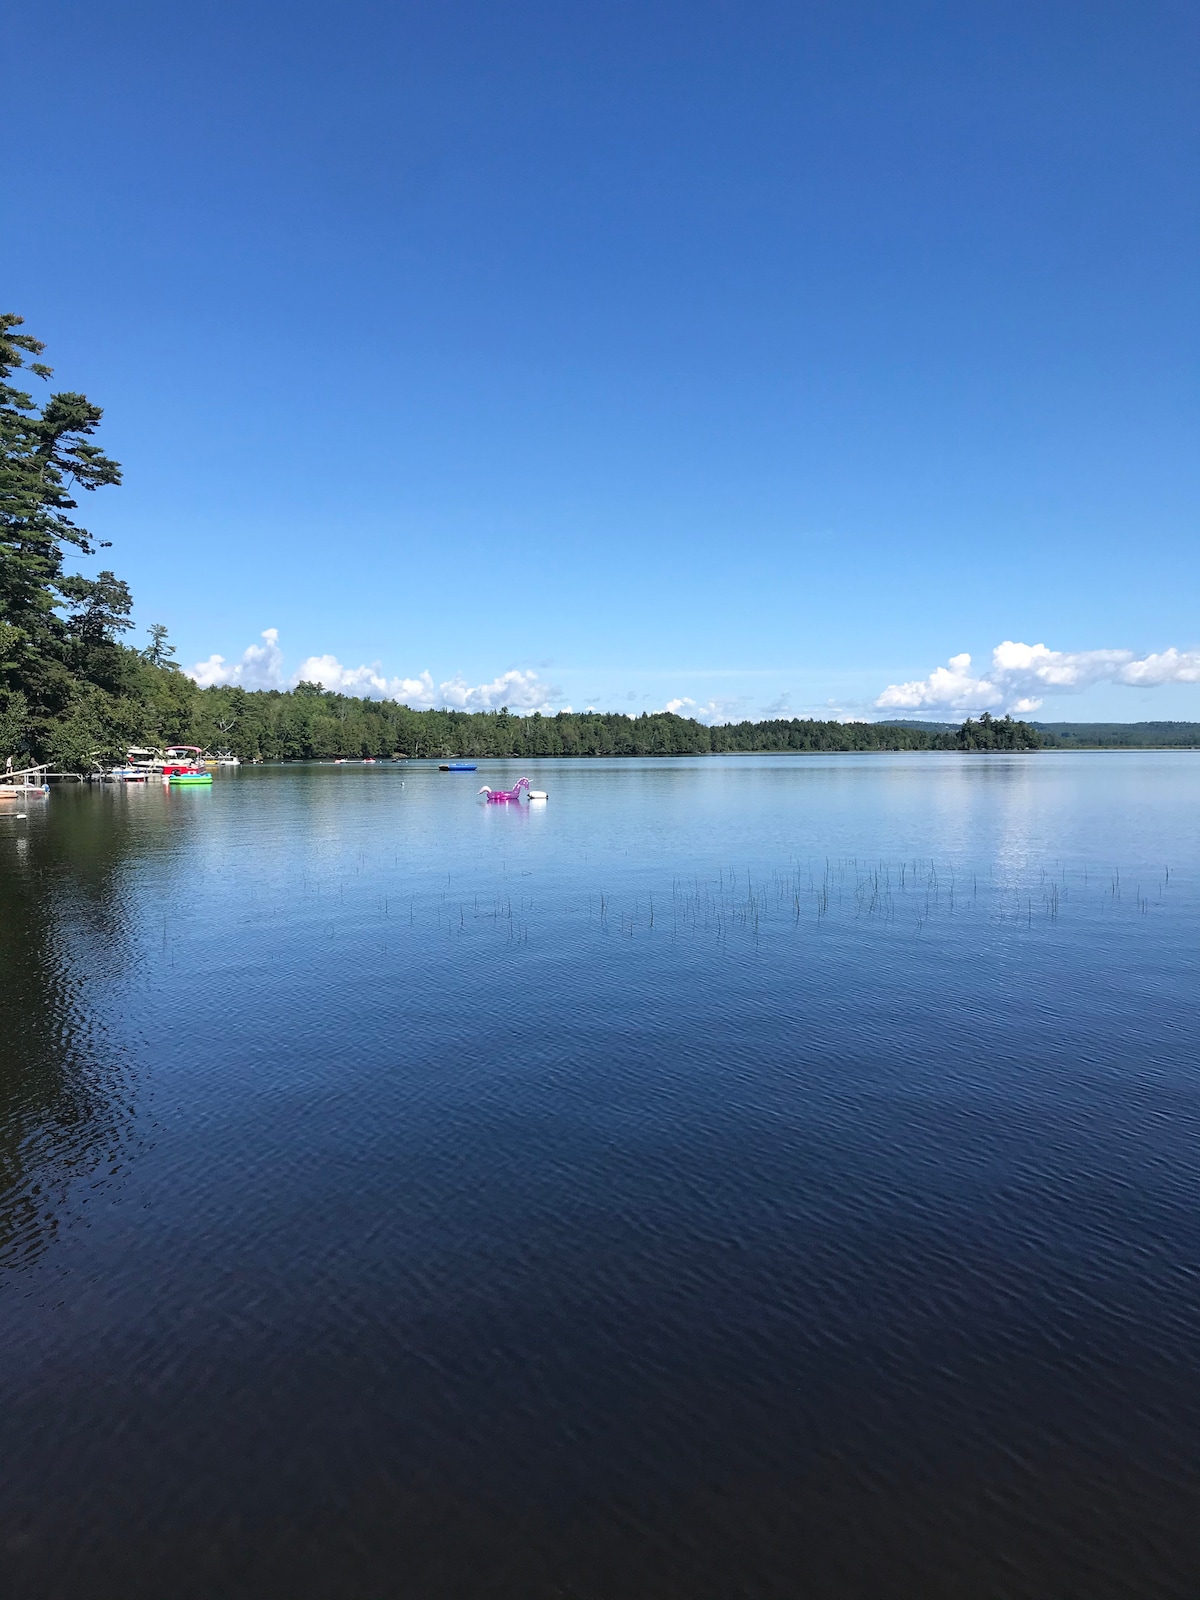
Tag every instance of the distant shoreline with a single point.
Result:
(705, 755)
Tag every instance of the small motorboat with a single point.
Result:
(457, 766)
(140, 763)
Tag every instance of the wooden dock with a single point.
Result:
(21, 785)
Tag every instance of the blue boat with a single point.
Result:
(457, 766)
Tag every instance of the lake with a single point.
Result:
(759, 1176)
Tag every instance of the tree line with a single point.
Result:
(310, 723)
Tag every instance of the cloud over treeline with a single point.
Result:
(1017, 681)
(709, 712)
(261, 666)
(1022, 675)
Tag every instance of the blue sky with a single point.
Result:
(747, 356)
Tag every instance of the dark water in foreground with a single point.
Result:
(768, 1178)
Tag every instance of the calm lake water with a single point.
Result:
(766, 1177)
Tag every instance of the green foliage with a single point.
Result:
(15, 723)
(99, 607)
(310, 723)
(990, 734)
(158, 652)
(1121, 735)
(52, 669)
(95, 730)
(45, 457)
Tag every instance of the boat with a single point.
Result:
(140, 764)
(224, 759)
(183, 759)
(184, 764)
(456, 766)
(538, 794)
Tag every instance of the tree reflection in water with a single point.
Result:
(66, 1075)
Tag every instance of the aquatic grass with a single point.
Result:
(910, 895)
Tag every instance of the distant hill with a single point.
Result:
(1090, 735)
(1121, 735)
(927, 727)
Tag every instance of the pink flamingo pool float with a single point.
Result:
(500, 797)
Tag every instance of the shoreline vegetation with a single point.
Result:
(74, 695)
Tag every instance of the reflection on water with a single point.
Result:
(748, 1177)
(66, 1080)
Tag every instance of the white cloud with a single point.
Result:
(708, 711)
(1172, 666)
(369, 683)
(261, 666)
(522, 691)
(1021, 675)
